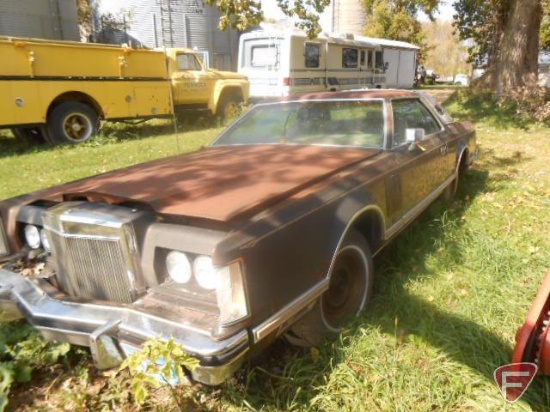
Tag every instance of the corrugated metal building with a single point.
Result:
(48, 19)
(170, 23)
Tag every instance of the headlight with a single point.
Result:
(178, 267)
(3, 241)
(32, 236)
(45, 241)
(206, 275)
(231, 294)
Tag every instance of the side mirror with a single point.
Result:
(386, 65)
(413, 136)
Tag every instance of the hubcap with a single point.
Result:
(77, 127)
(347, 287)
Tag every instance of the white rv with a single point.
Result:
(401, 59)
(281, 63)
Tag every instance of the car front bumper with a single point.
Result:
(113, 332)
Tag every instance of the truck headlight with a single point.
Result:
(231, 294)
(178, 267)
(3, 240)
(32, 236)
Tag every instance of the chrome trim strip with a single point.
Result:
(292, 309)
(416, 210)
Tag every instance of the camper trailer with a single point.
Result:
(401, 60)
(282, 63)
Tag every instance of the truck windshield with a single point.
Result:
(332, 122)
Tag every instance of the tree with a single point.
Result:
(241, 14)
(507, 33)
(447, 55)
(545, 26)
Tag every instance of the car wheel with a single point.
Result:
(72, 123)
(230, 107)
(31, 135)
(349, 291)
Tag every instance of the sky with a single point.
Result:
(446, 11)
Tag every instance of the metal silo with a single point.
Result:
(47, 19)
(348, 16)
(170, 23)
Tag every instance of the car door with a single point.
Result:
(423, 167)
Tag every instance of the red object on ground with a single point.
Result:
(533, 338)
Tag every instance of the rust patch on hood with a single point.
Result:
(218, 183)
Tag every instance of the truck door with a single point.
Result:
(191, 82)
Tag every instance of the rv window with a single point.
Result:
(349, 58)
(369, 63)
(362, 57)
(313, 53)
(263, 56)
(379, 62)
(188, 62)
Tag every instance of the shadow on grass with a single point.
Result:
(476, 106)
(274, 383)
(113, 132)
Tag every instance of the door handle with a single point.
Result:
(443, 149)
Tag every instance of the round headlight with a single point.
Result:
(45, 241)
(32, 236)
(206, 274)
(178, 267)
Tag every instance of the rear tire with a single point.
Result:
(349, 291)
(72, 123)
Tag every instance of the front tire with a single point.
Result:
(72, 123)
(349, 292)
(230, 107)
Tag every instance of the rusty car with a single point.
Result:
(269, 231)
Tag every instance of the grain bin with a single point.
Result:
(45, 19)
(170, 23)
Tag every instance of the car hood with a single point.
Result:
(218, 183)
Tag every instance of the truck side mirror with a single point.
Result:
(386, 65)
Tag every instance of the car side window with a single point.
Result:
(411, 114)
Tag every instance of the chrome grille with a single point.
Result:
(94, 258)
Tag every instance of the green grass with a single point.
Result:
(24, 169)
(450, 293)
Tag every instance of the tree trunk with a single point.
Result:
(517, 60)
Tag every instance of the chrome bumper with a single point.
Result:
(113, 332)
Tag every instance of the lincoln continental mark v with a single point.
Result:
(270, 231)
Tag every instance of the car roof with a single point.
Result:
(355, 94)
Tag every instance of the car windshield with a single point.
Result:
(357, 123)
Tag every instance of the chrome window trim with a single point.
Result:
(4, 248)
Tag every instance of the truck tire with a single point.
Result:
(230, 107)
(31, 135)
(72, 123)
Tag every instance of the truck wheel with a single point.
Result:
(230, 107)
(349, 291)
(30, 135)
(72, 123)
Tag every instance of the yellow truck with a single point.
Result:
(60, 91)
